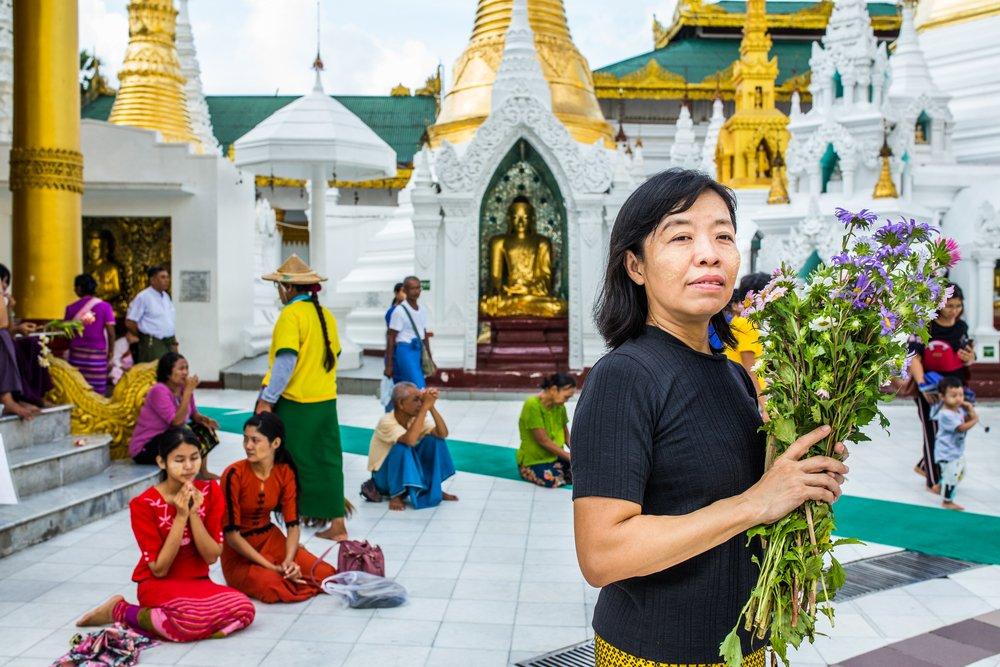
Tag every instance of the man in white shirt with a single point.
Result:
(407, 336)
(151, 318)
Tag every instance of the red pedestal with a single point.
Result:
(525, 344)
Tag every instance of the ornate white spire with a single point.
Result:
(684, 151)
(849, 53)
(201, 121)
(712, 138)
(910, 76)
(6, 69)
(520, 73)
(796, 109)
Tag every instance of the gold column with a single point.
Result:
(46, 166)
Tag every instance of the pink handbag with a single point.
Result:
(361, 556)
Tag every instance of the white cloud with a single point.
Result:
(104, 30)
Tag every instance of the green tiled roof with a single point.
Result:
(739, 7)
(697, 59)
(400, 121)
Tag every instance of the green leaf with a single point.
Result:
(858, 436)
(784, 430)
(846, 540)
(835, 576)
(730, 649)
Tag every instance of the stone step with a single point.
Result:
(51, 425)
(44, 515)
(43, 467)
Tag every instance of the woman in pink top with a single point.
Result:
(170, 403)
(90, 352)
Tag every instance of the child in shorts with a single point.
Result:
(954, 416)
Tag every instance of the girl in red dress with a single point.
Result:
(257, 558)
(178, 525)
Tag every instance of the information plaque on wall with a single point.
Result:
(196, 286)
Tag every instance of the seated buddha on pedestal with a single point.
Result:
(520, 281)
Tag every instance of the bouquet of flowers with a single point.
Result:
(830, 344)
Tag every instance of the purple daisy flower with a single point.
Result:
(888, 319)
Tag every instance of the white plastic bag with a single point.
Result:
(385, 391)
(361, 590)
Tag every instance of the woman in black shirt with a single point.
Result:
(949, 352)
(668, 459)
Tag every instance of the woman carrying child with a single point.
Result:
(257, 557)
(178, 526)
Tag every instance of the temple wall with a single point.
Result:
(128, 173)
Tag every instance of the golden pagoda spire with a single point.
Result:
(885, 188)
(757, 130)
(151, 94)
(468, 102)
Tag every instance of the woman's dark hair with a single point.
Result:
(85, 284)
(395, 291)
(559, 381)
(165, 366)
(752, 282)
(270, 426)
(956, 292)
(621, 309)
(4, 273)
(329, 360)
(171, 439)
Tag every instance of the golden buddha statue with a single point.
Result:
(104, 270)
(521, 269)
(919, 136)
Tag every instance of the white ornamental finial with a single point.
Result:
(712, 138)
(318, 63)
(520, 73)
(796, 109)
(684, 151)
(909, 75)
(201, 121)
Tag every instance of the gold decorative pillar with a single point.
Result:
(151, 94)
(46, 166)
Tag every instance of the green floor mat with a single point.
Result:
(474, 457)
(939, 532)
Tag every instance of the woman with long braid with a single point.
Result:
(301, 388)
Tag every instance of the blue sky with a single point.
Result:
(266, 46)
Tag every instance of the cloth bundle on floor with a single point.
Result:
(116, 646)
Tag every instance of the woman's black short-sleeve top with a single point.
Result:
(673, 430)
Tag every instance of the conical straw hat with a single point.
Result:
(294, 272)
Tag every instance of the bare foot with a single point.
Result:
(918, 470)
(948, 505)
(337, 531)
(936, 489)
(25, 411)
(448, 496)
(396, 504)
(100, 615)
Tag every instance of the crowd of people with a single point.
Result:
(647, 418)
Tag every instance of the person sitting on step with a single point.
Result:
(408, 455)
(170, 403)
(543, 457)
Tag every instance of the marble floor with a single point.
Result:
(492, 578)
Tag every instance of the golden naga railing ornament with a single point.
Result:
(93, 413)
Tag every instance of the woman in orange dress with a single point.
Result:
(258, 558)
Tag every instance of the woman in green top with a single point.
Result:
(543, 457)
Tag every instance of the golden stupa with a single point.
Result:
(937, 13)
(151, 95)
(573, 100)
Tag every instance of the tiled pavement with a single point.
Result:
(493, 578)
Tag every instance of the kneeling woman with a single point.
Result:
(178, 525)
(258, 558)
(543, 457)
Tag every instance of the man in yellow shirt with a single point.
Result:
(301, 388)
